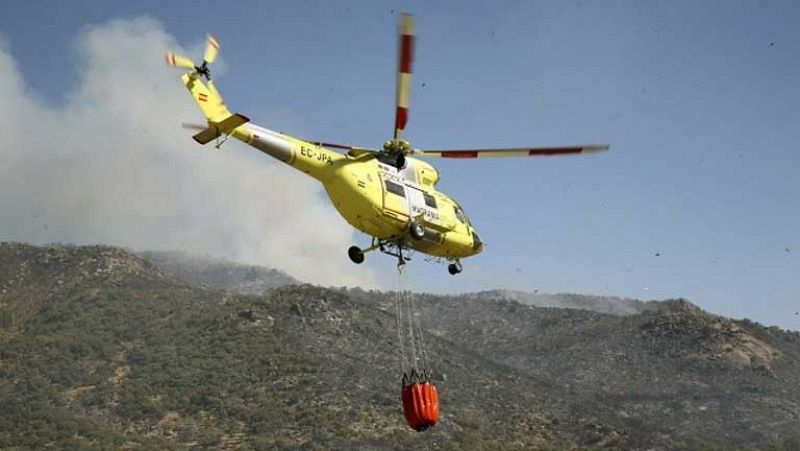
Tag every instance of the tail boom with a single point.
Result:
(314, 160)
(311, 159)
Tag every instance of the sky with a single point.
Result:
(697, 197)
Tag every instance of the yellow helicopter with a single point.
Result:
(388, 193)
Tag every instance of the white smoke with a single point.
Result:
(113, 166)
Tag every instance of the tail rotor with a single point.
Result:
(179, 61)
(212, 48)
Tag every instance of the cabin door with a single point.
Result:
(422, 205)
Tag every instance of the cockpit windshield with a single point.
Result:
(460, 215)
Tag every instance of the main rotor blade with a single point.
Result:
(512, 152)
(179, 61)
(212, 47)
(405, 61)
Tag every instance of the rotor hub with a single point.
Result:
(397, 146)
(203, 70)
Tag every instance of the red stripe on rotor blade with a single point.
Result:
(555, 151)
(401, 118)
(461, 154)
(406, 53)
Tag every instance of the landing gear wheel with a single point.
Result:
(454, 268)
(417, 230)
(356, 255)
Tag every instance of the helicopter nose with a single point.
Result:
(477, 244)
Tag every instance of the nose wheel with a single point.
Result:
(417, 230)
(455, 268)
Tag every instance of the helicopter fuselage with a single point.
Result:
(376, 197)
(383, 193)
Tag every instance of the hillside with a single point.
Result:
(101, 349)
(214, 272)
(672, 372)
(217, 273)
(603, 304)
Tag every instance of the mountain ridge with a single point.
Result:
(219, 273)
(602, 304)
(122, 354)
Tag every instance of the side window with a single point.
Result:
(429, 200)
(395, 188)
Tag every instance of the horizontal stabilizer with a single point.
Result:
(215, 130)
(229, 124)
(207, 135)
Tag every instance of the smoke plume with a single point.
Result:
(112, 165)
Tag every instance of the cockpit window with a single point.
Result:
(460, 214)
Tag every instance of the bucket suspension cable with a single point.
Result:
(411, 334)
(418, 393)
(423, 351)
(398, 306)
(414, 356)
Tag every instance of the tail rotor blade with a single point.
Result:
(406, 58)
(179, 61)
(212, 48)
